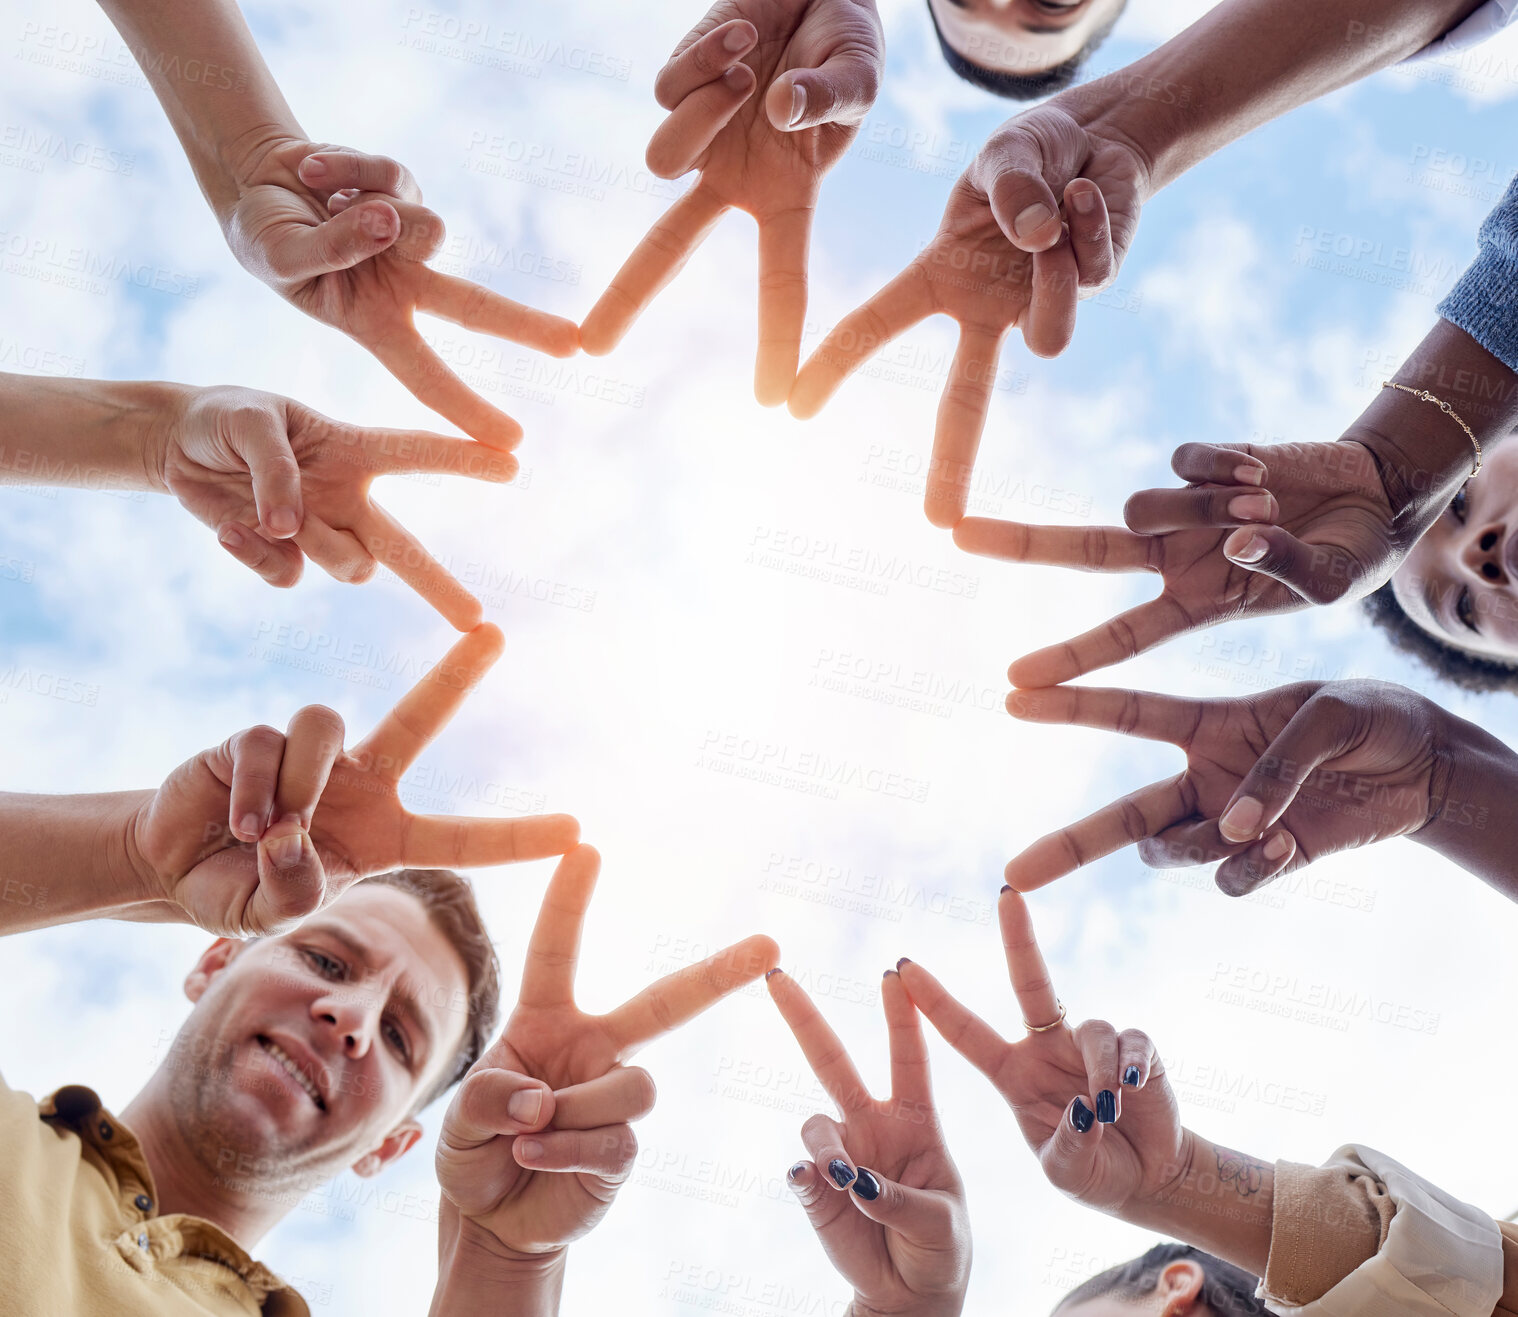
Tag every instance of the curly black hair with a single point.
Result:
(1469, 671)
(1022, 86)
(1226, 1289)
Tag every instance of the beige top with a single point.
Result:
(82, 1235)
(1362, 1235)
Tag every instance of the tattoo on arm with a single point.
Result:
(1243, 1174)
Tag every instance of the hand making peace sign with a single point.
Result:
(251, 837)
(1093, 1104)
(900, 1235)
(764, 98)
(537, 1140)
(344, 237)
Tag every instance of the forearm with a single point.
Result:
(1220, 1202)
(475, 1278)
(1472, 820)
(1424, 455)
(1246, 62)
(66, 858)
(96, 434)
(212, 82)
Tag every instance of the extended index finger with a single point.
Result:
(1031, 984)
(395, 547)
(1133, 713)
(407, 356)
(548, 972)
(473, 307)
(856, 338)
(683, 995)
(823, 1049)
(1141, 814)
(1085, 548)
(784, 240)
(424, 710)
(961, 421)
(654, 262)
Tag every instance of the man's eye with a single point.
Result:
(1458, 504)
(1465, 608)
(327, 966)
(397, 1039)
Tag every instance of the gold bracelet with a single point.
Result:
(1447, 410)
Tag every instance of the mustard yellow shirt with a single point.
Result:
(80, 1234)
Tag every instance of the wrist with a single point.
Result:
(473, 1261)
(162, 432)
(1466, 763)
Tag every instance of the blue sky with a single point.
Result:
(647, 514)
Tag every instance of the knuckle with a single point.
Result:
(259, 739)
(817, 1129)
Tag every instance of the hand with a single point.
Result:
(248, 839)
(556, 1075)
(343, 236)
(1093, 1104)
(1329, 527)
(1272, 782)
(819, 63)
(279, 482)
(1002, 257)
(900, 1235)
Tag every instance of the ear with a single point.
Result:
(395, 1144)
(1180, 1288)
(213, 960)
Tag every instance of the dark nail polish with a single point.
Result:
(796, 1171)
(769, 974)
(1106, 1106)
(1005, 888)
(1131, 1076)
(867, 1186)
(839, 1170)
(902, 961)
(1081, 1116)
(886, 973)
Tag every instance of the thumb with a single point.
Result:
(291, 880)
(298, 252)
(914, 1214)
(1320, 730)
(1069, 1158)
(841, 90)
(261, 440)
(494, 1101)
(1318, 573)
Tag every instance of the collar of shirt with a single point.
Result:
(159, 1239)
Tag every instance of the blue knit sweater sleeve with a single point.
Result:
(1484, 302)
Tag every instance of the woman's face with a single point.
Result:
(1460, 582)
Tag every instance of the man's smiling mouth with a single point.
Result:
(284, 1059)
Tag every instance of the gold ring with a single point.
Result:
(1044, 1028)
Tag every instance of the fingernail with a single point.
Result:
(798, 103)
(1277, 846)
(867, 1186)
(737, 39)
(735, 78)
(839, 1170)
(1083, 199)
(1031, 219)
(1081, 1116)
(1131, 1076)
(530, 1148)
(285, 851)
(1248, 475)
(1241, 820)
(250, 826)
(313, 169)
(1005, 888)
(232, 536)
(1106, 1106)
(886, 973)
(283, 522)
(902, 961)
(1250, 507)
(796, 1171)
(1251, 552)
(525, 1105)
(770, 973)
